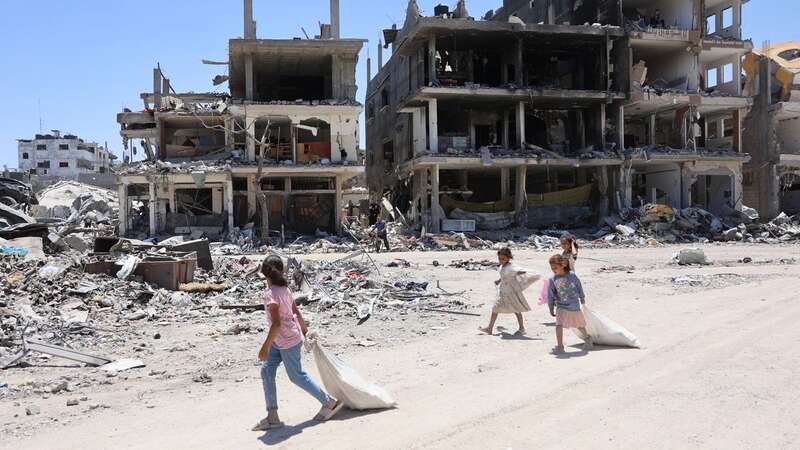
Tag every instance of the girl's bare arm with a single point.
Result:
(300, 320)
(275, 323)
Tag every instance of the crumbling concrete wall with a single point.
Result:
(761, 142)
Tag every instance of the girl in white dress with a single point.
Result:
(510, 298)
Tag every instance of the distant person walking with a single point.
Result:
(381, 234)
(373, 213)
(283, 345)
(510, 298)
(565, 297)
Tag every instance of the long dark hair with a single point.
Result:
(272, 268)
(505, 251)
(570, 239)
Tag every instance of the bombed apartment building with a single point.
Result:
(557, 112)
(683, 119)
(772, 130)
(276, 153)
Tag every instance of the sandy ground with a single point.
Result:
(718, 370)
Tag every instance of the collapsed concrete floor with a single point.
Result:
(692, 335)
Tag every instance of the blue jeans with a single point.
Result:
(291, 360)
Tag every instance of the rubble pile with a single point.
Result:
(355, 286)
(97, 298)
(654, 224)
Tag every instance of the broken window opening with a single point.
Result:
(714, 193)
(663, 70)
(711, 24)
(711, 78)
(463, 60)
(727, 73)
(239, 183)
(384, 98)
(727, 17)
(388, 156)
(309, 213)
(292, 78)
(43, 164)
(188, 137)
(194, 202)
(790, 55)
(659, 15)
(63, 164)
(658, 184)
(313, 141)
(25, 156)
(63, 146)
(41, 147)
(790, 194)
(575, 66)
(273, 184)
(313, 183)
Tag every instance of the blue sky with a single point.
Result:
(76, 64)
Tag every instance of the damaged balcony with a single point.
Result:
(443, 194)
(300, 135)
(685, 127)
(294, 71)
(482, 130)
(461, 63)
(663, 21)
(723, 19)
(721, 67)
(715, 186)
(198, 203)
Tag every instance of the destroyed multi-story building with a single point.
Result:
(65, 156)
(772, 130)
(276, 152)
(558, 112)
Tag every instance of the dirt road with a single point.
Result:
(718, 370)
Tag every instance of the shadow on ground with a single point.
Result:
(281, 435)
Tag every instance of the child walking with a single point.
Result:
(565, 297)
(283, 344)
(510, 299)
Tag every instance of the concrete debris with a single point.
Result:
(473, 265)
(690, 256)
(654, 224)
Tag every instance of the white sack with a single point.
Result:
(344, 383)
(604, 331)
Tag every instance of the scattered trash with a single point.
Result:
(122, 365)
(690, 256)
(202, 378)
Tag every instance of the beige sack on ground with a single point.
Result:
(605, 331)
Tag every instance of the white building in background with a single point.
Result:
(65, 156)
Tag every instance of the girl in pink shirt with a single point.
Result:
(283, 344)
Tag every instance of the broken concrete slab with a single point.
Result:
(36, 345)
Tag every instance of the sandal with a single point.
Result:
(326, 413)
(264, 425)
